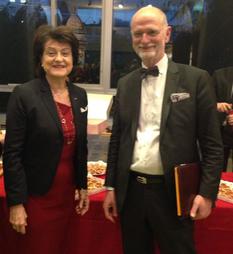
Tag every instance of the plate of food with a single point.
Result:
(96, 168)
(225, 191)
(95, 184)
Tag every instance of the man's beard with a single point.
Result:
(147, 58)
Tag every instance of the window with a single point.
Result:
(18, 22)
(200, 36)
(86, 19)
(183, 16)
(20, 18)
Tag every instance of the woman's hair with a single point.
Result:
(62, 34)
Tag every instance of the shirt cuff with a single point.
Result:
(109, 188)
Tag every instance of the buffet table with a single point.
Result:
(92, 233)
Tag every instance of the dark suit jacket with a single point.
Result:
(222, 82)
(185, 126)
(34, 140)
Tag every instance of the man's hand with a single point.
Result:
(109, 205)
(201, 208)
(83, 201)
(223, 106)
(2, 136)
(18, 218)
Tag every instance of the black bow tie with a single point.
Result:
(154, 71)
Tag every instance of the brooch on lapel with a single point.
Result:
(82, 110)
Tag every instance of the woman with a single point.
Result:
(45, 152)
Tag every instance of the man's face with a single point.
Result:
(149, 37)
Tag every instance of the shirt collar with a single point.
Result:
(162, 64)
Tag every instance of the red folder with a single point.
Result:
(187, 182)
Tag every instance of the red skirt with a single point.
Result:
(49, 215)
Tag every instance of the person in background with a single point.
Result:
(165, 115)
(2, 138)
(45, 152)
(223, 85)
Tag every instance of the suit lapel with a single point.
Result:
(170, 87)
(228, 83)
(135, 94)
(47, 98)
(75, 103)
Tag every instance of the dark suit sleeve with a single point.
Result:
(215, 85)
(14, 174)
(219, 89)
(222, 82)
(82, 152)
(113, 150)
(209, 139)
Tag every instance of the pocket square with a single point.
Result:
(82, 110)
(175, 97)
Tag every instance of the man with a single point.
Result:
(223, 84)
(157, 124)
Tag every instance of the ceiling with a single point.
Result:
(126, 4)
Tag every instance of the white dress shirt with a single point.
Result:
(146, 156)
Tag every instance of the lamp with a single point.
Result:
(121, 5)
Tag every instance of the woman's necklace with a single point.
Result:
(69, 131)
(61, 96)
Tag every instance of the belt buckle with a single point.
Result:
(141, 179)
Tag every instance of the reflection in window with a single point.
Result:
(85, 19)
(183, 16)
(216, 37)
(20, 18)
(18, 21)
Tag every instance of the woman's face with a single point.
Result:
(57, 59)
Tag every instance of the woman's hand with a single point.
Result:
(83, 201)
(230, 119)
(18, 218)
